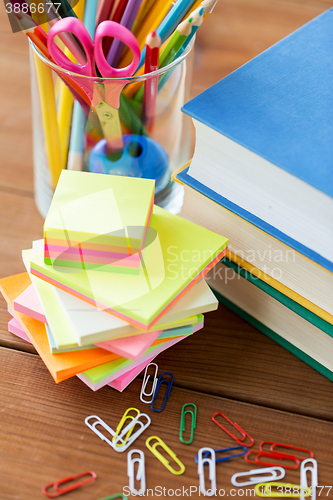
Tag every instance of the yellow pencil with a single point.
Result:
(151, 22)
(49, 114)
(143, 11)
(38, 13)
(66, 100)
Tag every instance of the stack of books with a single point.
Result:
(114, 282)
(262, 173)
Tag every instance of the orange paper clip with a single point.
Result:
(57, 491)
(239, 440)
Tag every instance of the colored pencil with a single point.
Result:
(116, 17)
(193, 24)
(67, 38)
(49, 116)
(127, 20)
(173, 49)
(187, 28)
(171, 21)
(150, 23)
(39, 16)
(64, 9)
(104, 11)
(153, 44)
(66, 100)
(76, 147)
(143, 12)
(39, 38)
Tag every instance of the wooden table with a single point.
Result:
(228, 367)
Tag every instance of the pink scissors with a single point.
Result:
(103, 95)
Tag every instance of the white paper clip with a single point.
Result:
(309, 465)
(202, 460)
(145, 382)
(141, 473)
(101, 422)
(136, 421)
(272, 471)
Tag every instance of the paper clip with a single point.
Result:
(160, 457)
(141, 473)
(61, 491)
(265, 490)
(145, 382)
(279, 456)
(122, 422)
(135, 435)
(273, 471)
(228, 457)
(309, 465)
(236, 426)
(159, 383)
(101, 422)
(287, 446)
(193, 422)
(203, 459)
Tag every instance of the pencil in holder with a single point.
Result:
(72, 131)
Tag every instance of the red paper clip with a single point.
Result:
(287, 446)
(267, 454)
(61, 491)
(236, 426)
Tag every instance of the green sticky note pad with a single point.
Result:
(177, 254)
(97, 219)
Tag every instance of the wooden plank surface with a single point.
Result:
(229, 366)
(44, 436)
(230, 358)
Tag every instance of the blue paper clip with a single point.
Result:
(161, 381)
(228, 457)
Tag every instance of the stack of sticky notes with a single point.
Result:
(115, 281)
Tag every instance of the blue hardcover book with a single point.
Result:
(264, 141)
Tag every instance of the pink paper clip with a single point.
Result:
(236, 426)
(56, 484)
(273, 447)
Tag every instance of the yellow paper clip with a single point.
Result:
(160, 457)
(121, 425)
(284, 490)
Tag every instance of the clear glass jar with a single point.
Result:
(169, 131)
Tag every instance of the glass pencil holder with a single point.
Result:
(74, 129)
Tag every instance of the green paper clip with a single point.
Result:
(193, 422)
(117, 495)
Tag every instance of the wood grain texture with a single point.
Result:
(229, 366)
(20, 224)
(44, 436)
(230, 358)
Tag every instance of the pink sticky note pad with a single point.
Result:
(130, 347)
(124, 380)
(28, 303)
(15, 328)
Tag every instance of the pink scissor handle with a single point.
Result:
(77, 28)
(115, 30)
